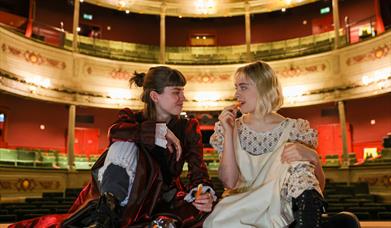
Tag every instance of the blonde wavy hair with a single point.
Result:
(269, 89)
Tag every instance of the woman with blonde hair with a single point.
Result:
(266, 161)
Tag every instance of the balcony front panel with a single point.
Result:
(39, 71)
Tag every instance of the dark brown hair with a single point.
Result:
(156, 79)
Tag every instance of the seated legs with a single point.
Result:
(308, 209)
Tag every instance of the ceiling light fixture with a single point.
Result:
(121, 4)
(205, 6)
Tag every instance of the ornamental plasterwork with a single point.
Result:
(28, 184)
(32, 57)
(300, 70)
(373, 55)
(120, 74)
(90, 81)
(116, 73)
(382, 180)
(104, 69)
(207, 77)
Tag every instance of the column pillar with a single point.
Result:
(29, 27)
(336, 23)
(76, 12)
(71, 138)
(248, 32)
(347, 30)
(379, 20)
(342, 122)
(162, 59)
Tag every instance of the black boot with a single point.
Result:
(108, 212)
(166, 221)
(308, 209)
(343, 219)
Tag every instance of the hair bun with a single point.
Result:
(138, 79)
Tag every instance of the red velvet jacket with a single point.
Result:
(133, 127)
(148, 189)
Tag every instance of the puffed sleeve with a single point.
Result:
(217, 138)
(127, 128)
(198, 172)
(301, 132)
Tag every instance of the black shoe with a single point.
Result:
(166, 220)
(108, 212)
(308, 209)
(343, 219)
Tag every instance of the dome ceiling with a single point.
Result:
(198, 8)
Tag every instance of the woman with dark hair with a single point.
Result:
(136, 181)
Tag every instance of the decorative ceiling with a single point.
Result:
(199, 8)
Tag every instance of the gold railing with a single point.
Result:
(205, 55)
(182, 55)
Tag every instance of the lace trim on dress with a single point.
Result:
(160, 135)
(300, 177)
(257, 143)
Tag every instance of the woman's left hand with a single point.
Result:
(204, 202)
(299, 152)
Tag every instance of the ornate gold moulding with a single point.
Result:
(199, 8)
(38, 71)
(14, 85)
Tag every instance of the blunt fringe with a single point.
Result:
(269, 89)
(156, 79)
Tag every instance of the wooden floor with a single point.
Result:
(377, 224)
(365, 224)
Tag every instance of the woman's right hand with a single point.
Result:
(299, 152)
(173, 143)
(227, 117)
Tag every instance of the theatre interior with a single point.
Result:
(65, 66)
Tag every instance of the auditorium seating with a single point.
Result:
(340, 197)
(49, 203)
(37, 158)
(211, 158)
(332, 160)
(8, 157)
(356, 199)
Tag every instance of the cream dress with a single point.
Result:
(266, 186)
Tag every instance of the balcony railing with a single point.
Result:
(205, 55)
(133, 52)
